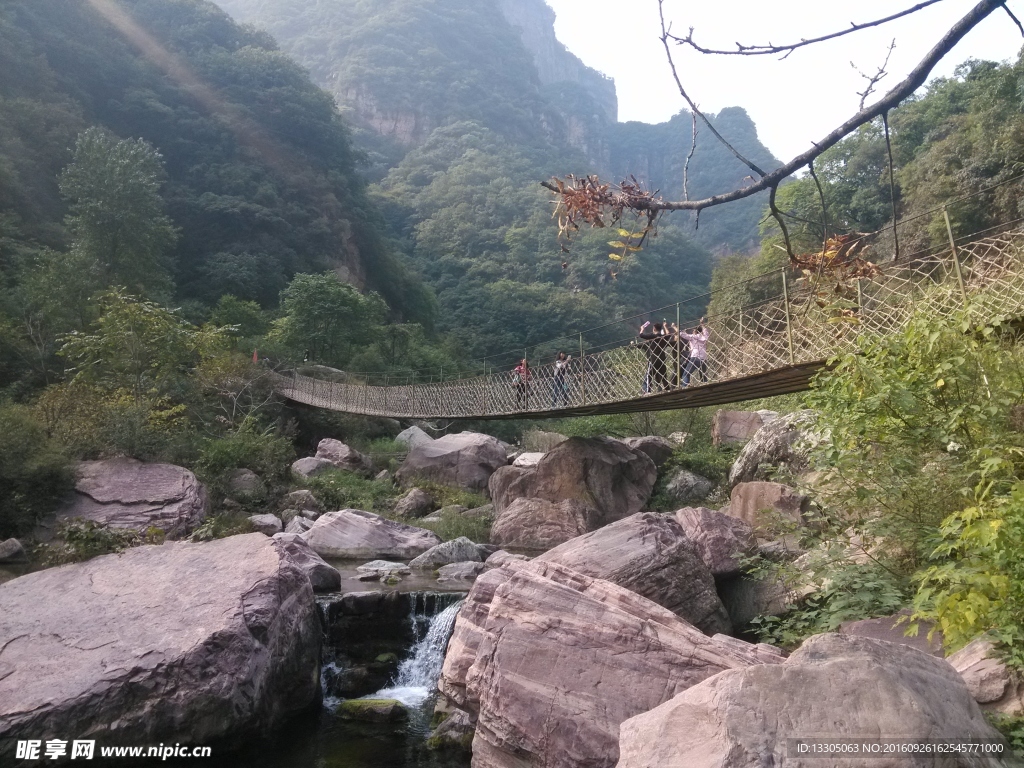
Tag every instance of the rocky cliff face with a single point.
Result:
(555, 63)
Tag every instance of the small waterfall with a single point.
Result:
(417, 675)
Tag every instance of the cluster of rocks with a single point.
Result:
(612, 647)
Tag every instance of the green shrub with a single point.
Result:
(1012, 728)
(338, 489)
(222, 525)
(267, 454)
(925, 460)
(79, 540)
(34, 473)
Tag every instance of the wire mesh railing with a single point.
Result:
(791, 329)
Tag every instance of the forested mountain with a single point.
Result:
(259, 169)
(463, 107)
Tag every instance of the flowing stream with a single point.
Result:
(321, 739)
(417, 675)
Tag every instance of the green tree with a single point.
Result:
(116, 214)
(138, 346)
(34, 473)
(326, 317)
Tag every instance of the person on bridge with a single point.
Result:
(521, 376)
(658, 343)
(698, 340)
(559, 385)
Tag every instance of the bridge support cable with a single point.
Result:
(759, 350)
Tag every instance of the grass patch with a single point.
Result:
(221, 525)
(338, 489)
(452, 525)
(79, 540)
(712, 463)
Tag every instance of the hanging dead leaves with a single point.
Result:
(626, 207)
(832, 274)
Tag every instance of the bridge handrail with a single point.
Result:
(793, 329)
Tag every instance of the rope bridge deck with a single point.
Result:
(772, 347)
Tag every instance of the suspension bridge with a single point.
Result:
(771, 346)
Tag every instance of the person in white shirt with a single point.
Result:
(559, 385)
(698, 360)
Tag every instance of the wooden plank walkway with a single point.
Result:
(771, 348)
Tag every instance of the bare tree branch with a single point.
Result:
(693, 106)
(777, 214)
(1015, 19)
(769, 48)
(903, 90)
(686, 165)
(824, 206)
(892, 186)
(874, 79)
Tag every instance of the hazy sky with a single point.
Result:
(793, 102)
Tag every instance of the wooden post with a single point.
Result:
(789, 318)
(956, 256)
(583, 375)
(679, 362)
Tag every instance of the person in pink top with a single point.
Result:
(698, 360)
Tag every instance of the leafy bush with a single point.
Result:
(222, 525)
(79, 540)
(338, 489)
(34, 473)
(1012, 728)
(925, 469)
(267, 454)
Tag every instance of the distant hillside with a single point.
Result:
(260, 174)
(402, 68)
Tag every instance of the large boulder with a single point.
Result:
(782, 441)
(737, 427)
(126, 493)
(413, 436)
(310, 466)
(605, 475)
(658, 449)
(688, 487)
(893, 629)
(415, 503)
(989, 680)
(541, 524)
(460, 550)
(721, 540)
(303, 499)
(245, 482)
(344, 457)
(833, 687)
(549, 662)
(651, 555)
(355, 534)
(541, 442)
(527, 460)
(755, 503)
(175, 643)
(11, 551)
(266, 524)
(322, 576)
(466, 460)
